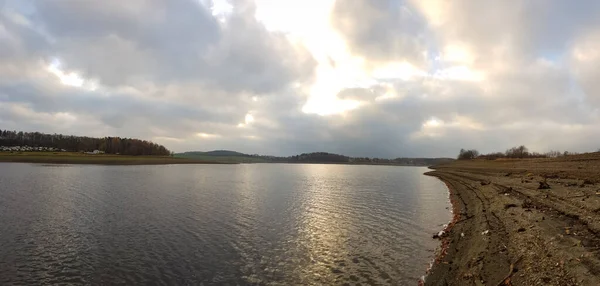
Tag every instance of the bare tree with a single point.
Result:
(517, 152)
(553, 154)
(468, 154)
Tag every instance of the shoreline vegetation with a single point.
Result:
(27, 141)
(113, 159)
(533, 221)
(99, 159)
(36, 147)
(308, 158)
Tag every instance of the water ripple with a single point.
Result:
(226, 225)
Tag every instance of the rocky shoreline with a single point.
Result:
(508, 229)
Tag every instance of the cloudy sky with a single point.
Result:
(383, 78)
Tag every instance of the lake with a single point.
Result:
(250, 224)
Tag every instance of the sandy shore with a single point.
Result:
(510, 232)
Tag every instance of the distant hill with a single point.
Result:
(227, 156)
(319, 157)
(218, 153)
(222, 156)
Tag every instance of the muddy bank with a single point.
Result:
(509, 231)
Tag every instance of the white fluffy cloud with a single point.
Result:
(366, 78)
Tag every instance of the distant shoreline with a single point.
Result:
(110, 159)
(342, 163)
(307, 158)
(78, 158)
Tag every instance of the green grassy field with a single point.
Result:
(102, 159)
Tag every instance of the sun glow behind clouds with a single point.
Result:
(290, 16)
(398, 70)
(435, 127)
(248, 119)
(70, 79)
(461, 73)
(207, 135)
(327, 106)
(336, 69)
(221, 9)
(433, 123)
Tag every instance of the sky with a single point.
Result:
(369, 78)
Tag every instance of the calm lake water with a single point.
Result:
(260, 224)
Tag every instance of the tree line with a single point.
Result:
(110, 145)
(324, 157)
(315, 157)
(519, 152)
(319, 157)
